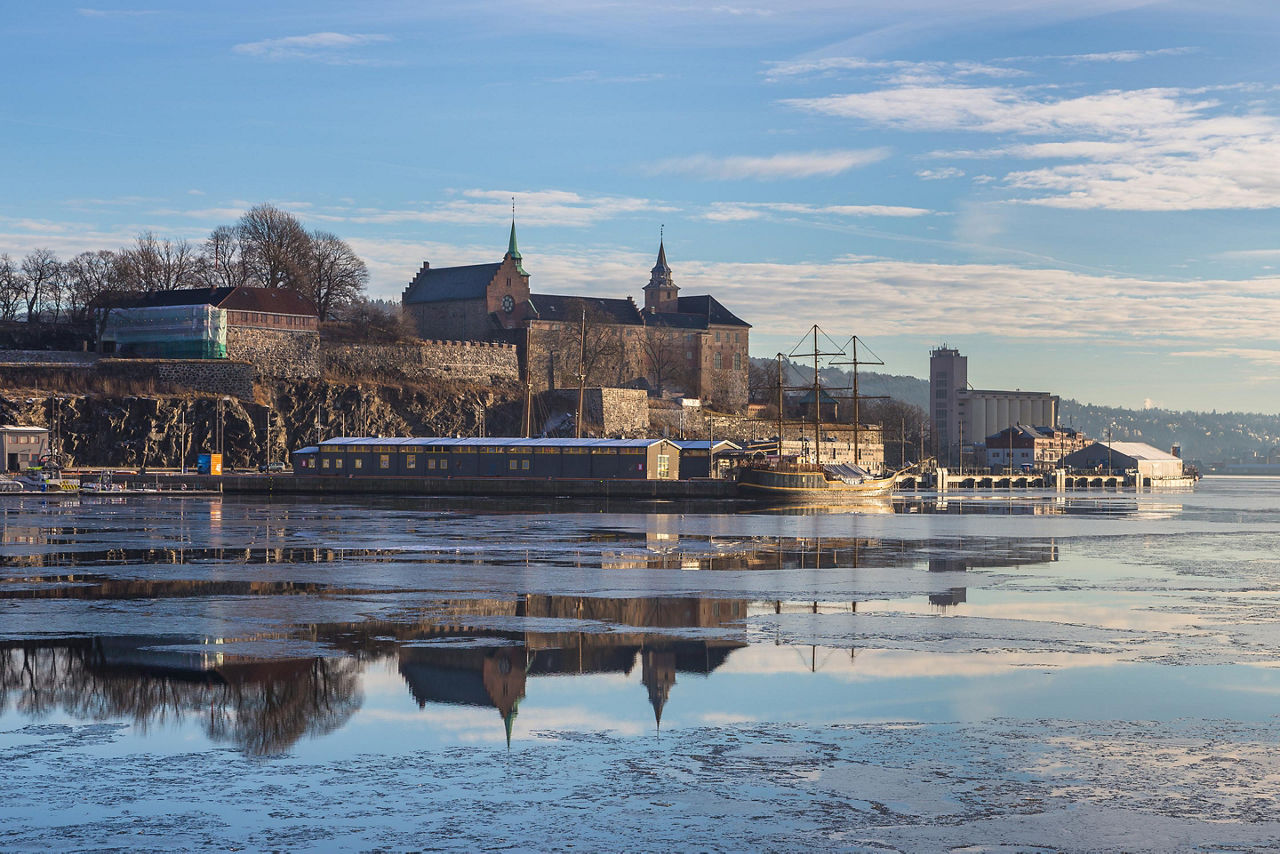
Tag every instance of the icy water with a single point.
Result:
(985, 673)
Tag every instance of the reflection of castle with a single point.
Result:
(496, 676)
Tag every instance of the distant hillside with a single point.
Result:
(1205, 436)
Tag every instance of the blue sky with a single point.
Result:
(1081, 196)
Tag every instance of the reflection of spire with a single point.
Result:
(504, 679)
(658, 673)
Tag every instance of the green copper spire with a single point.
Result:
(513, 249)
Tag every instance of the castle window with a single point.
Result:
(719, 360)
(737, 361)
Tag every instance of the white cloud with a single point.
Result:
(796, 164)
(896, 70)
(323, 47)
(483, 207)
(116, 13)
(940, 174)
(739, 211)
(1146, 149)
(1253, 355)
(1111, 55)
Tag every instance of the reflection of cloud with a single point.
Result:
(865, 664)
(796, 164)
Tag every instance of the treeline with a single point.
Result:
(267, 247)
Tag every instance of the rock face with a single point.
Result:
(162, 431)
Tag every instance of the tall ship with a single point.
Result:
(795, 478)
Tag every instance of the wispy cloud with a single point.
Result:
(1144, 149)
(319, 47)
(1269, 357)
(481, 207)
(940, 174)
(592, 76)
(1106, 56)
(894, 70)
(740, 211)
(116, 13)
(797, 164)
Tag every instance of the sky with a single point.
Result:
(1079, 195)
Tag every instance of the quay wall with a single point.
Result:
(288, 484)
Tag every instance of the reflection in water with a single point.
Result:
(260, 706)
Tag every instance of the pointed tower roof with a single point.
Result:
(660, 275)
(661, 266)
(513, 249)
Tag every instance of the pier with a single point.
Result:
(1059, 480)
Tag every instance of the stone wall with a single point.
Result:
(276, 352)
(610, 411)
(473, 361)
(47, 357)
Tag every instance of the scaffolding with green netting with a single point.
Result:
(168, 332)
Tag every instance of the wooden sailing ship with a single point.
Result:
(810, 481)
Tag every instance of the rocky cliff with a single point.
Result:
(159, 431)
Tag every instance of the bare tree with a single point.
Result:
(275, 247)
(337, 274)
(39, 269)
(97, 283)
(563, 351)
(222, 265)
(667, 357)
(160, 264)
(11, 287)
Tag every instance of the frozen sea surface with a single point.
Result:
(989, 673)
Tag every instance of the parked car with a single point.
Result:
(272, 466)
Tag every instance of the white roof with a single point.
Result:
(1139, 451)
(494, 442)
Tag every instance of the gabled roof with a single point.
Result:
(710, 308)
(562, 308)
(441, 284)
(1139, 451)
(271, 300)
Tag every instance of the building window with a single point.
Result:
(717, 336)
(719, 361)
(359, 463)
(384, 461)
(444, 464)
(737, 361)
(411, 461)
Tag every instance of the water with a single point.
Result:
(1035, 672)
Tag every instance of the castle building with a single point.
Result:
(687, 344)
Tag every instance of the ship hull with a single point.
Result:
(809, 487)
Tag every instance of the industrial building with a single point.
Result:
(1151, 464)
(1031, 448)
(443, 457)
(964, 416)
